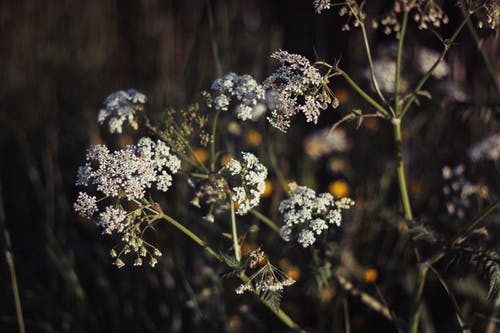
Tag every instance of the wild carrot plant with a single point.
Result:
(227, 179)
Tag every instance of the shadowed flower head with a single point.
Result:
(299, 88)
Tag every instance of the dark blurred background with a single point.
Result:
(59, 59)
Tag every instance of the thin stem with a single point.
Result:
(212, 141)
(267, 221)
(398, 60)
(9, 258)
(363, 94)
(427, 75)
(367, 299)
(417, 298)
(366, 43)
(191, 235)
(401, 170)
(283, 316)
(234, 231)
(475, 222)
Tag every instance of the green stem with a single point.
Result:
(398, 60)
(475, 222)
(212, 141)
(417, 298)
(234, 231)
(401, 170)
(283, 316)
(9, 258)
(427, 75)
(191, 235)
(363, 94)
(366, 44)
(267, 221)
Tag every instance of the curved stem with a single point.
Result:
(267, 221)
(363, 94)
(283, 316)
(366, 43)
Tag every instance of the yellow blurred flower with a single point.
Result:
(268, 190)
(201, 154)
(371, 275)
(339, 188)
(253, 138)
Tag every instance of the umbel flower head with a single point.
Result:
(241, 92)
(307, 215)
(299, 88)
(119, 107)
(250, 177)
(128, 172)
(123, 177)
(238, 182)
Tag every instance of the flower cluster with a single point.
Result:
(429, 13)
(488, 12)
(457, 190)
(486, 149)
(124, 175)
(128, 172)
(426, 58)
(307, 215)
(267, 278)
(296, 79)
(119, 107)
(251, 175)
(321, 5)
(243, 91)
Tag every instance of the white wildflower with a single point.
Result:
(130, 171)
(296, 78)
(112, 219)
(307, 215)
(241, 91)
(85, 204)
(321, 5)
(251, 175)
(119, 107)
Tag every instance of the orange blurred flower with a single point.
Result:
(371, 275)
(339, 188)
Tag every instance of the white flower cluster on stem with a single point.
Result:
(296, 79)
(126, 174)
(251, 174)
(242, 91)
(119, 107)
(307, 215)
